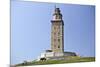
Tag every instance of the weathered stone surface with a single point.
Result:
(57, 37)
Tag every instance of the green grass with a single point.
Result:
(69, 60)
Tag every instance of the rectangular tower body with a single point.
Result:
(57, 32)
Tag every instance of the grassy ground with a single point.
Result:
(70, 60)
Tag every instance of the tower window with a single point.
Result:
(54, 39)
(59, 43)
(58, 33)
(58, 46)
(58, 40)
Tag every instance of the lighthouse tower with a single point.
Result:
(57, 32)
(57, 39)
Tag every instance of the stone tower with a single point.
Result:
(57, 39)
(57, 32)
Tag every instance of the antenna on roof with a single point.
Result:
(55, 6)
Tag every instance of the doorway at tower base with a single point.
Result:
(55, 55)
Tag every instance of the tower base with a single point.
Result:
(55, 55)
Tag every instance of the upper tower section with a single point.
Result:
(57, 14)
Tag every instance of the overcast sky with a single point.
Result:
(31, 29)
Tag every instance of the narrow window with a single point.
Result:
(54, 39)
(58, 40)
(58, 46)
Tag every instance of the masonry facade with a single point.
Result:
(57, 32)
